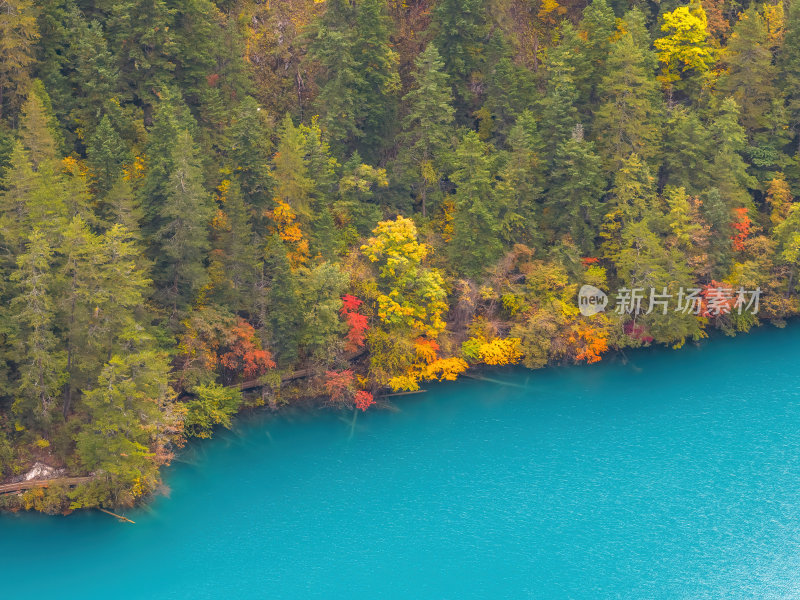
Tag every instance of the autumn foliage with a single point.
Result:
(742, 225)
(363, 400)
(244, 352)
(356, 322)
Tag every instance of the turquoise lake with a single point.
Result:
(669, 474)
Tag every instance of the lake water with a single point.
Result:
(674, 475)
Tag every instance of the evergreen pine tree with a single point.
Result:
(18, 34)
(461, 31)
(686, 150)
(283, 311)
(575, 187)
(558, 108)
(628, 120)
(359, 76)
(426, 135)
(750, 78)
(106, 154)
(477, 207)
(39, 360)
(250, 153)
(183, 235)
(232, 268)
(728, 169)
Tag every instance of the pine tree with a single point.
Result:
(232, 268)
(141, 34)
(627, 121)
(125, 436)
(686, 151)
(171, 117)
(293, 185)
(524, 177)
(728, 169)
(750, 78)
(122, 207)
(788, 61)
(359, 77)
(632, 199)
(106, 154)
(559, 108)
(18, 186)
(597, 26)
(79, 291)
(183, 236)
(461, 31)
(426, 135)
(31, 200)
(477, 207)
(38, 131)
(40, 362)
(283, 311)
(574, 190)
(250, 152)
(18, 34)
(76, 67)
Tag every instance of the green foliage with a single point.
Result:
(461, 31)
(628, 119)
(212, 405)
(164, 234)
(359, 79)
(479, 206)
(19, 33)
(183, 235)
(575, 187)
(426, 136)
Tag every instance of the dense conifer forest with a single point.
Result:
(207, 207)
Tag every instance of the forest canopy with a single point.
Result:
(211, 206)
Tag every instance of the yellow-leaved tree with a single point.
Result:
(411, 302)
(685, 52)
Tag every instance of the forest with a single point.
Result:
(208, 207)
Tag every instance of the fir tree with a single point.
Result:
(461, 30)
(183, 236)
(359, 75)
(728, 169)
(426, 135)
(575, 188)
(106, 154)
(250, 152)
(283, 311)
(233, 260)
(789, 66)
(558, 108)
(686, 150)
(18, 34)
(477, 207)
(750, 79)
(40, 361)
(627, 121)
(524, 177)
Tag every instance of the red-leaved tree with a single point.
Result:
(244, 353)
(356, 322)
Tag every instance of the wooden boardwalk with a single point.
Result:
(42, 483)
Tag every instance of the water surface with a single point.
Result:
(674, 475)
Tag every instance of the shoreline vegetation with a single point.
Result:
(211, 207)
